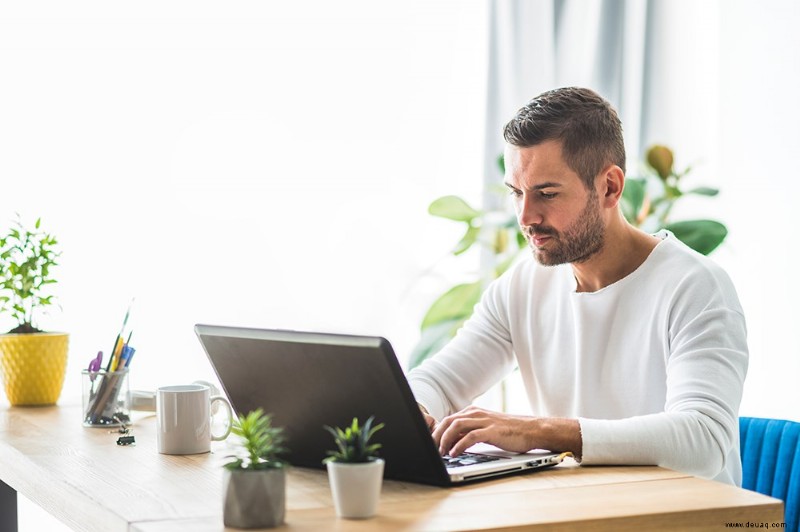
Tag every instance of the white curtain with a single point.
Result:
(715, 81)
(656, 61)
(542, 44)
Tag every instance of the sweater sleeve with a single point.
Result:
(698, 431)
(478, 357)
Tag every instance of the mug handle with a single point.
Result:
(225, 402)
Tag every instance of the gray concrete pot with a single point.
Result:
(254, 498)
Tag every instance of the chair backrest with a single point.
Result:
(771, 462)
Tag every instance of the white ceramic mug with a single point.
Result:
(183, 416)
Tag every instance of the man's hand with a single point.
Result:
(429, 419)
(456, 433)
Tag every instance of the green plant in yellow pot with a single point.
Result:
(33, 362)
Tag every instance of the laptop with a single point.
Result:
(307, 380)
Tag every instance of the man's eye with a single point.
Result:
(515, 193)
(549, 195)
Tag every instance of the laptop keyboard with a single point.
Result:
(466, 459)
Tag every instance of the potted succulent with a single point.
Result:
(254, 483)
(33, 362)
(355, 472)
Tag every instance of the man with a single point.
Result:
(632, 347)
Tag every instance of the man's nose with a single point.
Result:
(527, 213)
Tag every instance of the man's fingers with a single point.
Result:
(457, 430)
(444, 425)
(430, 421)
(440, 428)
(469, 439)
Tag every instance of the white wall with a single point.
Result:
(760, 174)
(252, 163)
(258, 163)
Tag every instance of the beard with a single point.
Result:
(576, 244)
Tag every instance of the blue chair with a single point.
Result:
(771, 462)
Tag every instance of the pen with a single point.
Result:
(113, 360)
(118, 345)
(131, 351)
(119, 361)
(110, 364)
(124, 357)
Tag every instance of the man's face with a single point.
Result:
(559, 217)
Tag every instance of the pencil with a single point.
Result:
(114, 350)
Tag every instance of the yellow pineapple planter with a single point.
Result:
(33, 367)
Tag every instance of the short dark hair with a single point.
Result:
(587, 126)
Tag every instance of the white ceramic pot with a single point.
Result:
(254, 499)
(356, 488)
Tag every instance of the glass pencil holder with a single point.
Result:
(105, 398)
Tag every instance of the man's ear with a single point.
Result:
(612, 182)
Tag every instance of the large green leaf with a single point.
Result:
(704, 191)
(632, 198)
(469, 238)
(701, 235)
(506, 263)
(456, 303)
(453, 208)
(432, 340)
(521, 240)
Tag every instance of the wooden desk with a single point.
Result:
(84, 479)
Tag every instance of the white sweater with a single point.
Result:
(652, 365)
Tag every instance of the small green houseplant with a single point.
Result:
(27, 258)
(647, 203)
(355, 471)
(255, 477)
(353, 443)
(33, 361)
